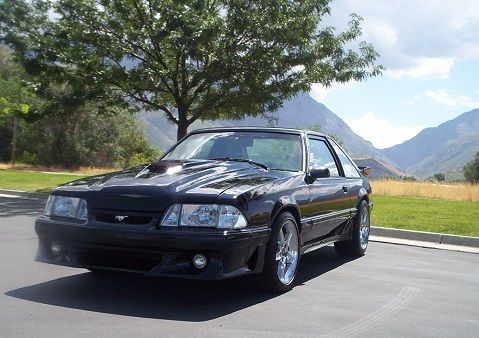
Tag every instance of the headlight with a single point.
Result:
(62, 206)
(204, 215)
(199, 215)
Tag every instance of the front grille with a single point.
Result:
(123, 219)
(117, 260)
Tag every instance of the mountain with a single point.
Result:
(379, 168)
(300, 112)
(445, 148)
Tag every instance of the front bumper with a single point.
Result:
(151, 251)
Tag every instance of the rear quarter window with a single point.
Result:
(348, 166)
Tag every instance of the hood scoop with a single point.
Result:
(159, 168)
(173, 167)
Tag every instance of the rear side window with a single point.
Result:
(348, 167)
(320, 156)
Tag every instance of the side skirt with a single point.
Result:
(319, 244)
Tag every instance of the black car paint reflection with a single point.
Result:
(324, 209)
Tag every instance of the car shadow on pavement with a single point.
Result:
(164, 298)
(20, 206)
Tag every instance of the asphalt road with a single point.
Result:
(392, 291)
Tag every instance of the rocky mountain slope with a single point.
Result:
(379, 168)
(300, 112)
(445, 148)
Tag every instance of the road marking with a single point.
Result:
(10, 196)
(26, 198)
(402, 299)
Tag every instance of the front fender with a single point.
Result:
(286, 203)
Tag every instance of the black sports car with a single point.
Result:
(220, 203)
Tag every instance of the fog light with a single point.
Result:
(199, 261)
(56, 248)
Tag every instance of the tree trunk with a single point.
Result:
(182, 131)
(14, 140)
(182, 123)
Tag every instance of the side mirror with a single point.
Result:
(365, 170)
(319, 172)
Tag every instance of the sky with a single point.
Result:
(431, 53)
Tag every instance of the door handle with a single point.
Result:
(345, 188)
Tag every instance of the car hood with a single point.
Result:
(156, 186)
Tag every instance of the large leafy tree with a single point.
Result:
(471, 169)
(86, 137)
(190, 59)
(51, 123)
(16, 96)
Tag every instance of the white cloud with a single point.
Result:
(384, 34)
(418, 39)
(320, 92)
(455, 101)
(416, 99)
(424, 68)
(381, 132)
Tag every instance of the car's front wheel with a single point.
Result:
(282, 254)
(360, 237)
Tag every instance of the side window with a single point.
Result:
(320, 156)
(348, 167)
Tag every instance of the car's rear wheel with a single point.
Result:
(360, 237)
(282, 254)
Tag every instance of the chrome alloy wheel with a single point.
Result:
(364, 228)
(287, 254)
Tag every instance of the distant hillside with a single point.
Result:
(161, 133)
(441, 149)
(300, 112)
(379, 169)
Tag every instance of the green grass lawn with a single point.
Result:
(434, 215)
(33, 181)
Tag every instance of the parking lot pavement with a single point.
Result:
(391, 291)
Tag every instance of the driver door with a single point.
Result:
(329, 200)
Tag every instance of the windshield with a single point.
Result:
(275, 150)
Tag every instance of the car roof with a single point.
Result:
(258, 129)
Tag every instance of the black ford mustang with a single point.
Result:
(220, 203)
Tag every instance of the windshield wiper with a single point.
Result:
(264, 166)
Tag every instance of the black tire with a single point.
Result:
(360, 234)
(270, 277)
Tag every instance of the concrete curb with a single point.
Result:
(388, 234)
(426, 237)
